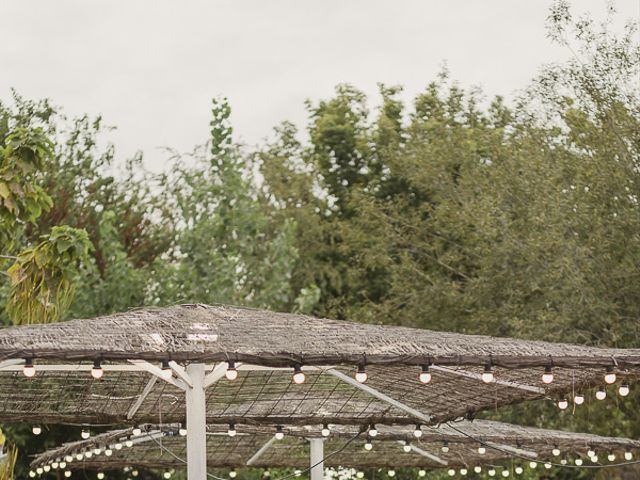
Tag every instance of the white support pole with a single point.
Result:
(196, 424)
(316, 458)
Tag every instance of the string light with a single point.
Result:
(601, 394)
(29, 370)
(407, 446)
(594, 459)
(505, 473)
(422, 473)
(418, 431)
(279, 433)
(368, 445)
(628, 455)
(519, 470)
(361, 374)
(55, 464)
(39, 470)
(32, 474)
(623, 391)
(591, 452)
(298, 374)
(182, 431)
(167, 475)
(231, 372)
(67, 473)
(167, 373)
(118, 446)
(487, 375)
(134, 473)
(555, 452)
(136, 431)
(445, 447)
(232, 430)
(533, 464)
(85, 434)
(88, 454)
(325, 430)
(610, 375)
(463, 471)
(360, 474)
(108, 452)
(482, 450)
(578, 462)
(492, 472)
(563, 404)
(62, 464)
(373, 432)
(69, 458)
(391, 473)
(547, 465)
(233, 474)
(578, 399)
(46, 468)
(425, 374)
(97, 372)
(100, 475)
(563, 461)
(477, 469)
(547, 376)
(128, 443)
(451, 472)
(97, 450)
(611, 457)
(36, 429)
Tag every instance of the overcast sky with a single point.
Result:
(151, 67)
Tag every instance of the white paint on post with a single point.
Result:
(316, 458)
(425, 454)
(196, 423)
(259, 453)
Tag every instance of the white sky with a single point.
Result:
(151, 67)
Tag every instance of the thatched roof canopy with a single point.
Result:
(151, 449)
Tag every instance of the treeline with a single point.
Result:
(453, 213)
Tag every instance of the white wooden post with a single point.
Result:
(196, 424)
(317, 457)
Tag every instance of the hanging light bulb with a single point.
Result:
(361, 374)
(62, 464)
(547, 465)
(445, 447)
(118, 446)
(79, 456)
(36, 429)
(108, 452)
(407, 446)
(601, 394)
(563, 461)
(85, 433)
(136, 431)
(482, 450)
(477, 469)
(623, 391)
(134, 473)
(88, 454)
(391, 473)
(555, 452)
(591, 452)
(487, 375)
(232, 430)
(32, 474)
(69, 458)
(97, 450)
(611, 457)
(100, 476)
(451, 472)
(182, 431)
(505, 473)
(610, 375)
(46, 468)
(421, 473)
(325, 430)
(425, 374)
(29, 370)
(594, 459)
(279, 433)
(492, 472)
(166, 373)
(519, 470)
(231, 372)
(463, 471)
(533, 464)
(368, 445)
(233, 474)
(128, 443)
(578, 399)
(167, 475)
(547, 376)
(298, 374)
(55, 464)
(578, 461)
(418, 431)
(628, 455)
(67, 473)
(563, 404)
(97, 372)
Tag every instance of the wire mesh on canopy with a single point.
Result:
(266, 346)
(163, 447)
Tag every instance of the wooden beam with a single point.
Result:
(157, 371)
(147, 389)
(259, 453)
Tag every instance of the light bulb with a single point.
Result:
(62, 464)
(279, 433)
(231, 372)
(505, 473)
(445, 447)
(578, 399)
(166, 373)
(623, 391)
(32, 474)
(611, 457)
(36, 429)
(451, 472)
(422, 473)
(563, 404)
(519, 470)
(128, 443)
(96, 371)
(463, 471)
(368, 445)
(69, 458)
(100, 475)
(298, 374)
(591, 452)
(555, 451)
(136, 431)
(166, 475)
(594, 459)
(39, 470)
(492, 472)
(628, 455)
(578, 461)
(79, 456)
(547, 465)
(182, 432)
(46, 468)
(547, 376)
(373, 432)
(232, 430)
(477, 469)
(67, 473)
(297, 473)
(108, 452)
(29, 370)
(325, 430)
(134, 473)
(601, 394)
(482, 450)
(118, 446)
(85, 434)
(233, 474)
(88, 454)
(610, 376)
(487, 375)
(361, 374)
(425, 374)
(563, 461)
(55, 464)
(418, 431)
(406, 447)
(97, 451)
(533, 464)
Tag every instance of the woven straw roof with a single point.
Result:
(293, 451)
(213, 333)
